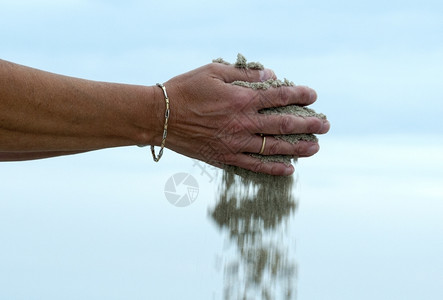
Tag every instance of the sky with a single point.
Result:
(371, 196)
(375, 65)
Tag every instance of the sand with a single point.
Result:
(270, 83)
(295, 110)
(254, 209)
(254, 212)
(241, 63)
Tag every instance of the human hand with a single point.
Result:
(219, 123)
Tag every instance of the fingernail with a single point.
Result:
(326, 126)
(266, 74)
(313, 95)
(289, 170)
(313, 149)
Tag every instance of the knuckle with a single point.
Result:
(213, 67)
(300, 149)
(286, 126)
(236, 127)
(284, 96)
(231, 129)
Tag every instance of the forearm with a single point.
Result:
(42, 112)
(20, 156)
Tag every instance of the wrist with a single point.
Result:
(149, 116)
(157, 157)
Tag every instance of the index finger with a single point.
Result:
(284, 96)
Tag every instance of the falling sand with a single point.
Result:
(299, 111)
(254, 209)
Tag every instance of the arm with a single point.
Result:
(44, 114)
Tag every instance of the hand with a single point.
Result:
(219, 123)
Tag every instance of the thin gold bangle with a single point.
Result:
(165, 127)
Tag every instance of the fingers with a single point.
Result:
(272, 97)
(247, 162)
(273, 146)
(229, 73)
(285, 95)
(290, 124)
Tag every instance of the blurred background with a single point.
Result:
(368, 223)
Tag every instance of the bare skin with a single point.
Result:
(45, 115)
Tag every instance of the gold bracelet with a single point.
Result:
(165, 128)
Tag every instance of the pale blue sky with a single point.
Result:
(375, 64)
(97, 225)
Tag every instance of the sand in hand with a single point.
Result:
(295, 110)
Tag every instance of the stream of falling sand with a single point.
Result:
(254, 211)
